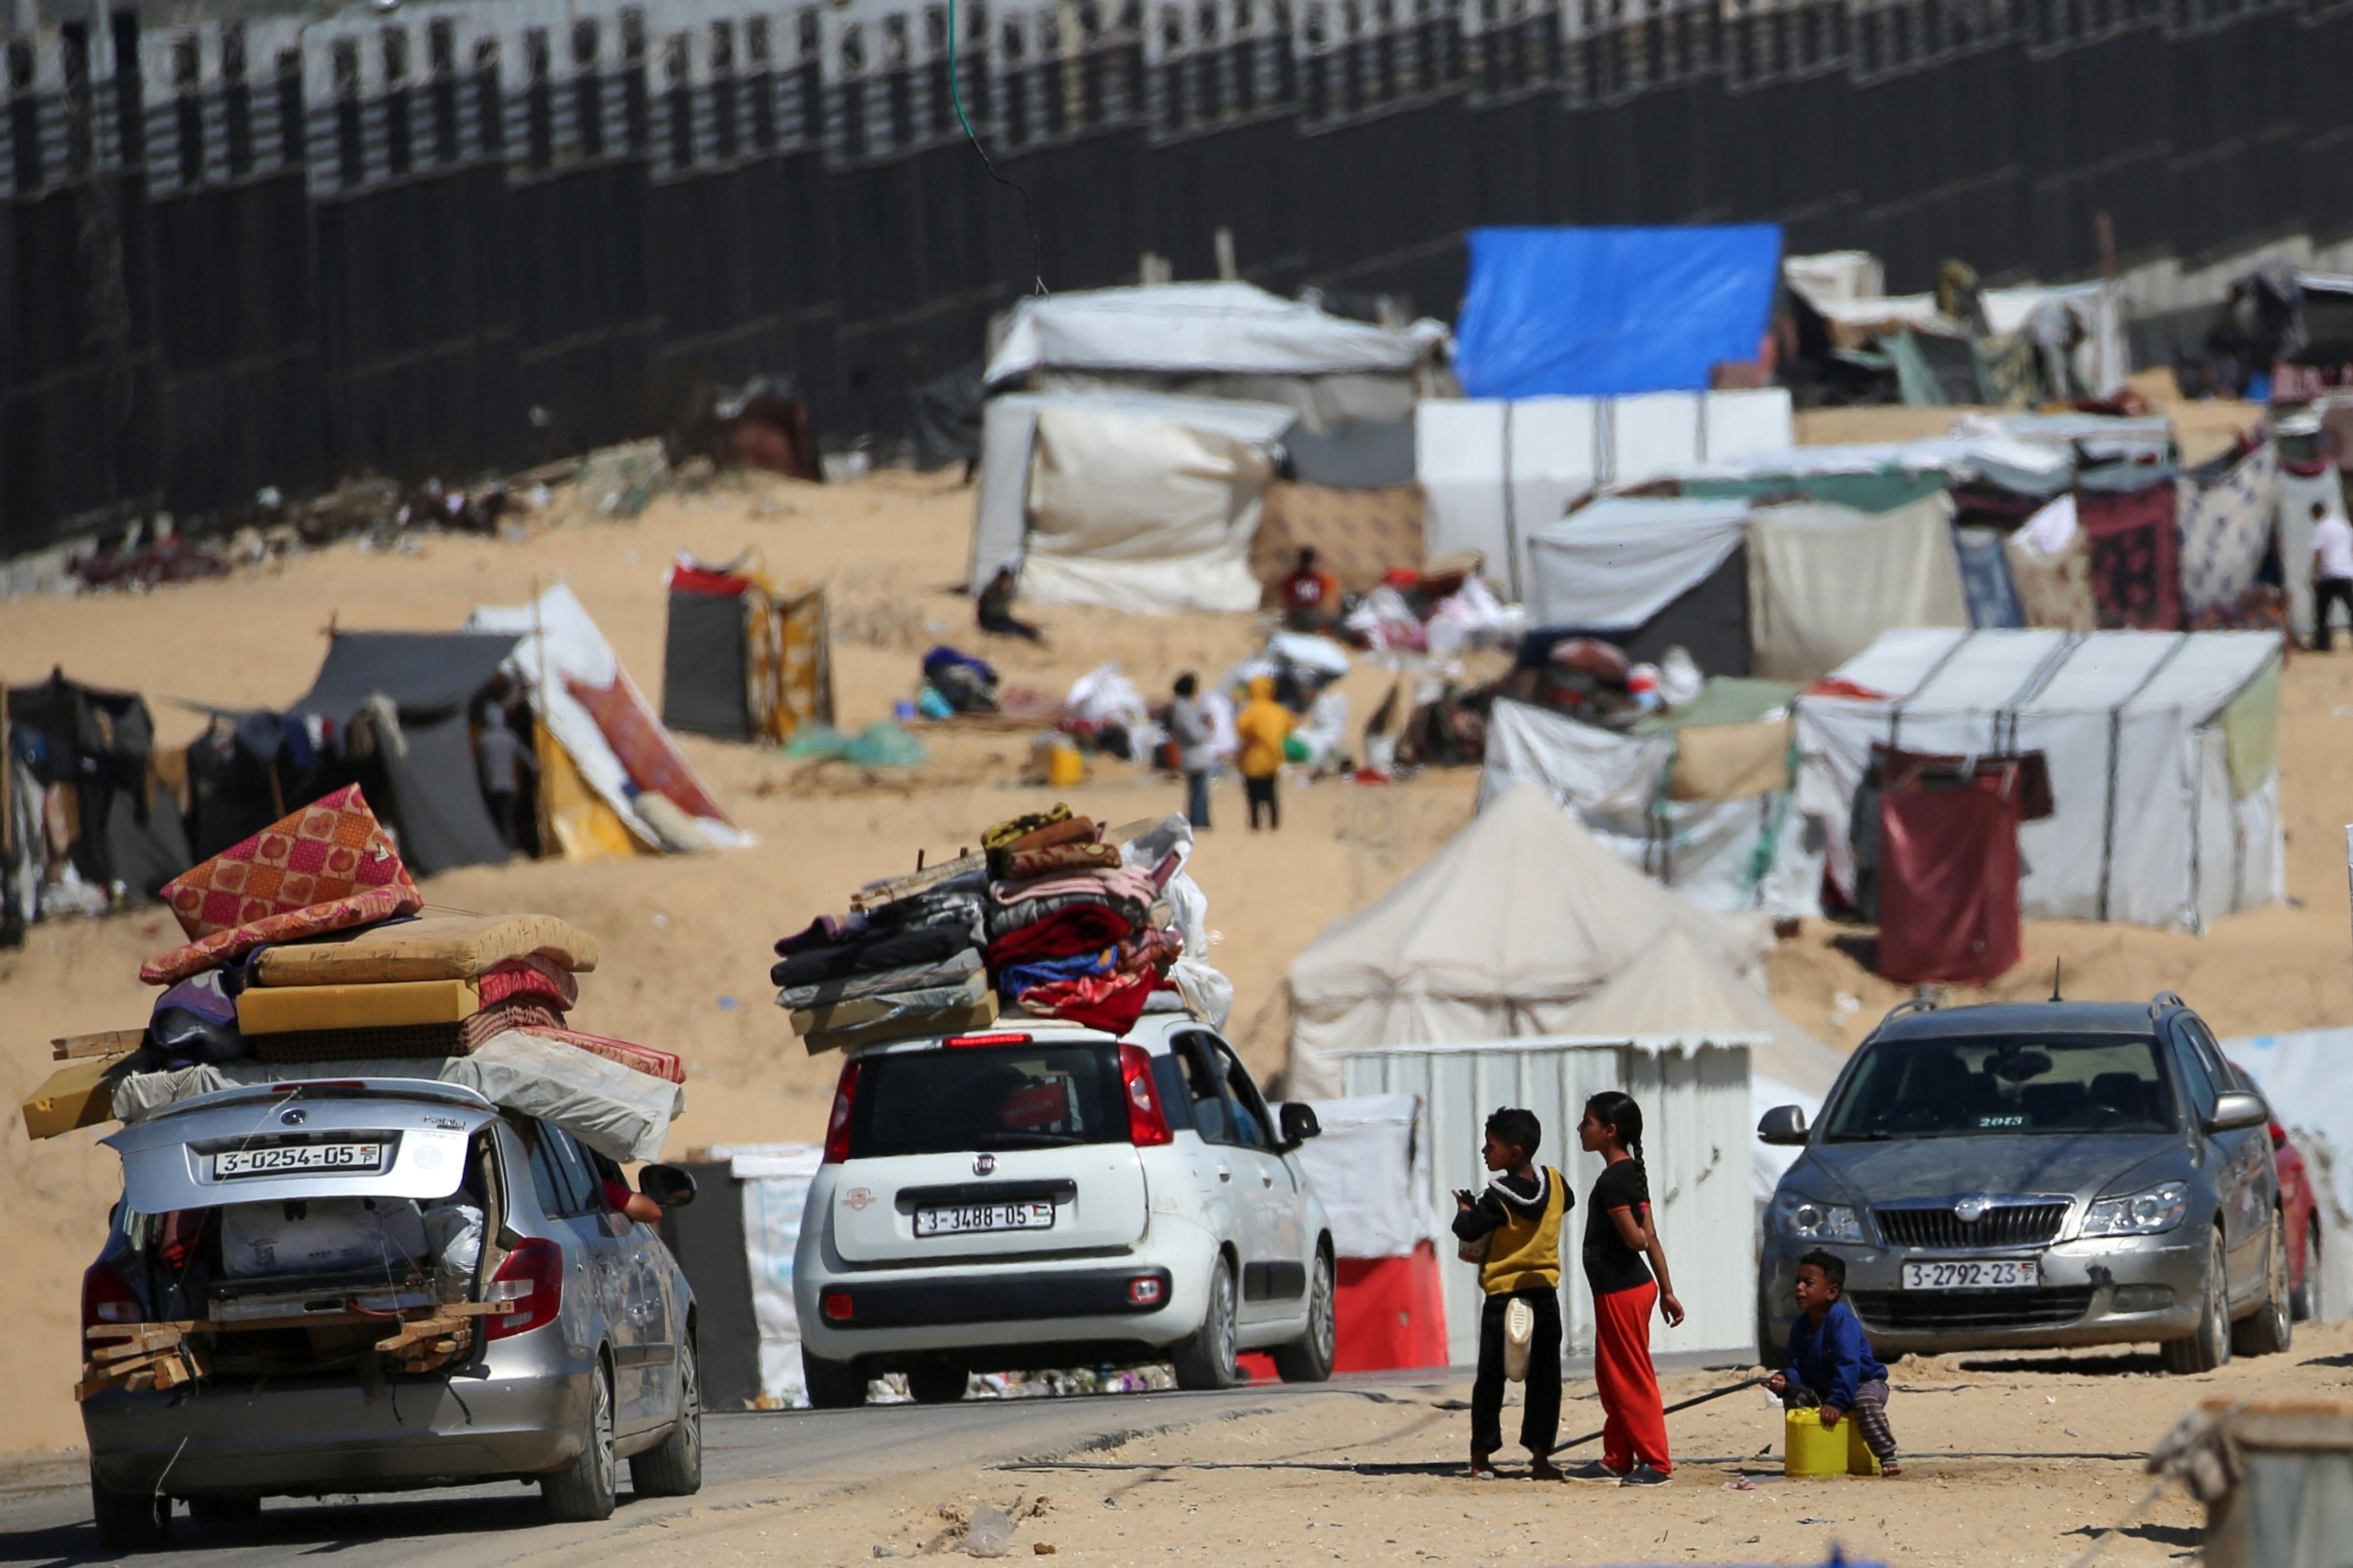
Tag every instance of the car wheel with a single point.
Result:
(2210, 1347)
(1308, 1359)
(583, 1492)
(225, 1510)
(1206, 1359)
(932, 1383)
(129, 1522)
(673, 1468)
(2305, 1300)
(832, 1385)
(2269, 1329)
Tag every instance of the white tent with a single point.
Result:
(1521, 915)
(1824, 582)
(2162, 749)
(1614, 565)
(1148, 500)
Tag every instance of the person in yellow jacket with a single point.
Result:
(1263, 726)
(1518, 1218)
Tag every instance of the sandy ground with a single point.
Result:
(2007, 1459)
(686, 940)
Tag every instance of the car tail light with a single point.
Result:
(532, 1277)
(105, 1298)
(961, 1042)
(837, 1127)
(1146, 1126)
(838, 1307)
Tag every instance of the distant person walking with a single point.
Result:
(1196, 756)
(1628, 1271)
(1263, 726)
(2332, 570)
(505, 761)
(996, 616)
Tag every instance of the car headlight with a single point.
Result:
(2142, 1215)
(1809, 1219)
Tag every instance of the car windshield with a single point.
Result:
(997, 1097)
(2004, 1084)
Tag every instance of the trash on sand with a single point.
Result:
(991, 1532)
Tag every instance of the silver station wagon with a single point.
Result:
(2029, 1175)
(373, 1286)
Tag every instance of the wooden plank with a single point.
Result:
(105, 1043)
(305, 1321)
(890, 892)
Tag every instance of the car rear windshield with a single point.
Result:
(2006, 1084)
(993, 1096)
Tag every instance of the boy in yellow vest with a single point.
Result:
(1518, 1218)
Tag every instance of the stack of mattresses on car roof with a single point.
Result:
(1052, 917)
(307, 958)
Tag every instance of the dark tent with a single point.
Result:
(1364, 454)
(742, 659)
(101, 744)
(1709, 620)
(702, 662)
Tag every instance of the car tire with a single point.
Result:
(832, 1385)
(582, 1493)
(2210, 1347)
(931, 1383)
(1206, 1360)
(1308, 1359)
(129, 1522)
(2271, 1327)
(2305, 1302)
(225, 1510)
(673, 1467)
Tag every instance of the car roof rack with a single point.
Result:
(1909, 1004)
(2163, 1000)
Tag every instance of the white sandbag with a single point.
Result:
(320, 1235)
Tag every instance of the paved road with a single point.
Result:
(748, 1458)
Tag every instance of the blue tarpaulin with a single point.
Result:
(1605, 313)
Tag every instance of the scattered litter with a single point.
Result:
(886, 1551)
(1041, 1549)
(1811, 1518)
(883, 744)
(991, 1532)
(1743, 1484)
(728, 1004)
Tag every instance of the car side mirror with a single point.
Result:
(2237, 1109)
(1299, 1124)
(667, 1185)
(1783, 1126)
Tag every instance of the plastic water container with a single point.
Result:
(1065, 768)
(1808, 1448)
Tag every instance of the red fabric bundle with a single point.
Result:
(1075, 928)
(1110, 1002)
(530, 977)
(638, 1058)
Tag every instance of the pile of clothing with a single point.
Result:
(1053, 918)
(305, 959)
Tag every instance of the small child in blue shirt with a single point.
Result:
(1830, 1361)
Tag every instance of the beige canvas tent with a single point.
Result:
(1676, 986)
(1502, 933)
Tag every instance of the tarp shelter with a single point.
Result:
(1498, 471)
(1609, 311)
(743, 660)
(1143, 501)
(1948, 872)
(1229, 340)
(79, 764)
(1649, 574)
(2302, 1073)
(1514, 921)
(1370, 1166)
(1825, 581)
(612, 780)
(2162, 750)
(1705, 808)
(1876, 476)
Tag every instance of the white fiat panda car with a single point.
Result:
(1048, 1195)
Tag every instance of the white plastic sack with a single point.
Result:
(320, 1236)
(617, 1111)
(1104, 697)
(1207, 992)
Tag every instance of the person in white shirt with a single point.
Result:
(2332, 570)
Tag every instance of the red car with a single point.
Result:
(2298, 1211)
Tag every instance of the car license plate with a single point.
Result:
(1036, 1216)
(290, 1159)
(1974, 1274)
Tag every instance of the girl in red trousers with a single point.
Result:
(1619, 1237)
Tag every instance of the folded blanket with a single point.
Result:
(958, 911)
(1120, 883)
(1005, 833)
(638, 1058)
(1015, 979)
(855, 986)
(1004, 922)
(533, 976)
(896, 950)
(1071, 830)
(1108, 1003)
(893, 1009)
(1054, 859)
(1078, 927)
(825, 931)
(909, 906)
(1151, 948)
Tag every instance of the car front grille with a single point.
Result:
(1922, 1311)
(2003, 1226)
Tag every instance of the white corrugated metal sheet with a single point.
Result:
(1696, 1139)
